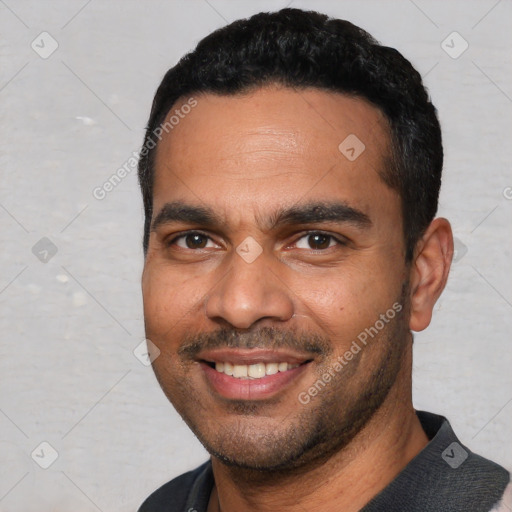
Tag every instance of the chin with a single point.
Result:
(272, 449)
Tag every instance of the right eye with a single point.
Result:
(193, 240)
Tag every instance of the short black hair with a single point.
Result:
(306, 49)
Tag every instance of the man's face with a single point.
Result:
(272, 251)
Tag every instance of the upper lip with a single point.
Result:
(247, 356)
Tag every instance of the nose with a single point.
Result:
(249, 293)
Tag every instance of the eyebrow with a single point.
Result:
(319, 212)
(178, 211)
(310, 213)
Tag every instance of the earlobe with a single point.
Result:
(429, 271)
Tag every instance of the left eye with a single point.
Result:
(316, 241)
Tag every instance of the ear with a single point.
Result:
(429, 271)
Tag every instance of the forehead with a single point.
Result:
(272, 143)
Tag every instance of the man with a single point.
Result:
(290, 175)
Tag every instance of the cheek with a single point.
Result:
(169, 299)
(345, 301)
(169, 304)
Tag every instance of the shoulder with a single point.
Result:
(505, 504)
(467, 480)
(191, 489)
(445, 475)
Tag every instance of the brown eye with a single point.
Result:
(316, 241)
(319, 241)
(193, 240)
(196, 241)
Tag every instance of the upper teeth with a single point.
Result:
(253, 371)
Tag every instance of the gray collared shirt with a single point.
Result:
(445, 476)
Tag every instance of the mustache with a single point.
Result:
(269, 338)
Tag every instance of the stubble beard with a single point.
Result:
(320, 429)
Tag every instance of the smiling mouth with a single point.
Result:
(251, 374)
(253, 371)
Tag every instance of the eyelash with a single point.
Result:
(339, 241)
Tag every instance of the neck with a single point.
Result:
(346, 481)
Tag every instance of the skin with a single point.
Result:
(245, 158)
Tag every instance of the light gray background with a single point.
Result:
(69, 326)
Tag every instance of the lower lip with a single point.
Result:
(250, 389)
